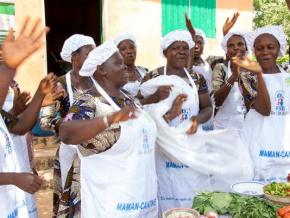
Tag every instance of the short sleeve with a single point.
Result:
(218, 77)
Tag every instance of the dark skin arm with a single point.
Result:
(222, 93)
(25, 181)
(204, 115)
(15, 52)
(229, 24)
(262, 101)
(78, 131)
(29, 117)
(161, 94)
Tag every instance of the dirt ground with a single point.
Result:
(44, 203)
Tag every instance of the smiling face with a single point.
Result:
(177, 54)
(236, 46)
(266, 49)
(116, 70)
(198, 48)
(127, 49)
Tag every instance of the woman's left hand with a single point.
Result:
(48, 84)
(51, 98)
(189, 26)
(176, 106)
(247, 64)
(194, 126)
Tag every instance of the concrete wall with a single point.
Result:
(34, 69)
(226, 8)
(142, 18)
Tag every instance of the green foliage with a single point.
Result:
(281, 60)
(271, 12)
(238, 206)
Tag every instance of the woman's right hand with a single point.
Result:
(29, 40)
(176, 107)
(124, 114)
(28, 182)
(162, 92)
(247, 64)
(20, 102)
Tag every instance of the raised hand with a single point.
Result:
(29, 40)
(51, 98)
(124, 114)
(189, 26)
(28, 182)
(247, 64)
(176, 106)
(48, 84)
(229, 24)
(194, 126)
(19, 102)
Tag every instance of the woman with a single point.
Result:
(127, 46)
(226, 84)
(75, 50)
(15, 52)
(113, 173)
(201, 66)
(267, 125)
(176, 182)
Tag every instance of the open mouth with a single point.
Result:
(182, 59)
(130, 57)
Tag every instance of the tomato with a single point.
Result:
(287, 215)
(281, 211)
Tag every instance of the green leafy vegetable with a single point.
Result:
(238, 206)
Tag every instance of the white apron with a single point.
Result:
(66, 152)
(176, 181)
(122, 181)
(268, 136)
(133, 86)
(13, 203)
(20, 147)
(206, 71)
(8, 103)
(231, 113)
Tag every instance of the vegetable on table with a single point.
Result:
(278, 189)
(283, 211)
(238, 206)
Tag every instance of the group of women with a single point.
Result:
(116, 170)
(109, 165)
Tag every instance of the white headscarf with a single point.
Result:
(73, 43)
(98, 56)
(200, 33)
(230, 34)
(176, 35)
(125, 36)
(276, 31)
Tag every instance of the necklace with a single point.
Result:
(132, 73)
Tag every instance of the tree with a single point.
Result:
(272, 12)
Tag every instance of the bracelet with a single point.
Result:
(105, 119)
(229, 85)
(166, 118)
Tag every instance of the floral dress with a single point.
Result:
(48, 121)
(89, 106)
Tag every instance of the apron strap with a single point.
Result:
(140, 71)
(69, 88)
(229, 69)
(188, 76)
(105, 95)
